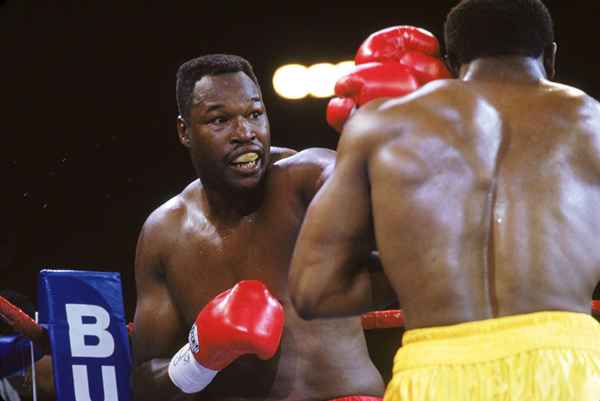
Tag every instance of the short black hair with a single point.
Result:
(211, 64)
(488, 28)
(21, 301)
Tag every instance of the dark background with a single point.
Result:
(89, 146)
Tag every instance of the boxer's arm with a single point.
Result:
(43, 381)
(310, 169)
(279, 153)
(158, 331)
(334, 272)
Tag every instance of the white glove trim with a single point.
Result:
(187, 373)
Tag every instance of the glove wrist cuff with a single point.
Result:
(187, 373)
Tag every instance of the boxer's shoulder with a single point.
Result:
(391, 114)
(304, 172)
(563, 90)
(427, 98)
(568, 97)
(311, 157)
(368, 127)
(169, 213)
(307, 164)
(278, 153)
(383, 120)
(165, 222)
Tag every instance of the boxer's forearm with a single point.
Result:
(351, 291)
(151, 382)
(358, 296)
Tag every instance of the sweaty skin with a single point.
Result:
(482, 195)
(230, 226)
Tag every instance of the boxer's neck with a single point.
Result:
(504, 69)
(231, 207)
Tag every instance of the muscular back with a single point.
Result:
(485, 199)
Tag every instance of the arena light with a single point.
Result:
(343, 68)
(295, 81)
(290, 80)
(321, 79)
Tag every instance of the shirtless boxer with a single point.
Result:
(238, 221)
(482, 195)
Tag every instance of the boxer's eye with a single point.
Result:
(255, 114)
(217, 120)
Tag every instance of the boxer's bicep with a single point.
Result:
(157, 325)
(339, 216)
(335, 237)
(158, 332)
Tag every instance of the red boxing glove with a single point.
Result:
(399, 46)
(365, 83)
(408, 45)
(390, 44)
(245, 319)
(339, 110)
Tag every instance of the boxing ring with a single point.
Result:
(82, 325)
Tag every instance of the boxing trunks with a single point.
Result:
(544, 356)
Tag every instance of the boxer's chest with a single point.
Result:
(209, 258)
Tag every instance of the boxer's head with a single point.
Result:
(489, 28)
(222, 121)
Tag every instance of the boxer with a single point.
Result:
(237, 223)
(481, 193)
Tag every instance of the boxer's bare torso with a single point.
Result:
(484, 196)
(194, 247)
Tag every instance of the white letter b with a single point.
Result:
(78, 330)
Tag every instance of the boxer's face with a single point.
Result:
(228, 131)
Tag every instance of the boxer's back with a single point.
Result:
(485, 199)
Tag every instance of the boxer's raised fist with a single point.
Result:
(390, 44)
(408, 45)
(245, 319)
(392, 62)
(367, 82)
(339, 110)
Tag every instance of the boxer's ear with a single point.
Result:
(183, 132)
(452, 65)
(549, 57)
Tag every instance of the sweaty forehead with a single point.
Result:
(234, 86)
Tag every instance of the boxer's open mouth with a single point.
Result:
(247, 162)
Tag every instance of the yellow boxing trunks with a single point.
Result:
(544, 356)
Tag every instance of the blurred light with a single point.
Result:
(321, 79)
(295, 81)
(290, 80)
(343, 68)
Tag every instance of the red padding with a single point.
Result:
(25, 325)
(385, 319)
